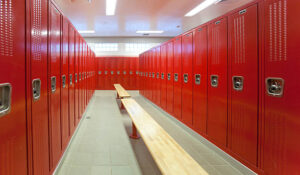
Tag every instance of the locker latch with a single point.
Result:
(71, 79)
(275, 86)
(63, 79)
(53, 84)
(146, 74)
(75, 77)
(5, 99)
(137, 72)
(130, 73)
(185, 78)
(118, 72)
(238, 83)
(111, 72)
(214, 80)
(169, 76)
(162, 76)
(79, 76)
(157, 75)
(176, 77)
(36, 89)
(124, 72)
(153, 75)
(105, 72)
(99, 72)
(197, 79)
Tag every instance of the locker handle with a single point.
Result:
(79, 76)
(185, 78)
(197, 79)
(169, 76)
(238, 83)
(105, 72)
(275, 86)
(99, 72)
(111, 72)
(63, 81)
(162, 76)
(130, 73)
(157, 75)
(75, 77)
(71, 79)
(214, 80)
(137, 72)
(153, 75)
(36, 89)
(53, 84)
(176, 77)
(5, 98)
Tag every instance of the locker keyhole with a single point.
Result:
(5, 99)
(197, 79)
(238, 83)
(275, 86)
(71, 79)
(169, 76)
(162, 76)
(185, 78)
(214, 80)
(64, 81)
(36, 89)
(76, 78)
(157, 75)
(53, 84)
(176, 77)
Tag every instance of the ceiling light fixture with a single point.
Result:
(86, 31)
(111, 7)
(150, 31)
(202, 6)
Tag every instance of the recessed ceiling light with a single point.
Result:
(111, 7)
(201, 6)
(86, 31)
(149, 31)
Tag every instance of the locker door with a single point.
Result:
(200, 80)
(107, 73)
(163, 69)
(122, 76)
(150, 76)
(136, 74)
(13, 150)
(187, 80)
(217, 88)
(113, 72)
(54, 83)
(131, 71)
(119, 69)
(65, 83)
(177, 78)
(80, 79)
(153, 77)
(38, 136)
(124, 72)
(155, 97)
(281, 81)
(76, 78)
(72, 79)
(158, 76)
(146, 75)
(170, 95)
(243, 59)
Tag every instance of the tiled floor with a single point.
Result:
(102, 146)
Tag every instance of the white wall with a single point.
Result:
(154, 41)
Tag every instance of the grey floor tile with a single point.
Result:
(227, 170)
(102, 158)
(121, 170)
(101, 170)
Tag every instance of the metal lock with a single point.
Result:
(105, 72)
(63, 81)
(79, 76)
(36, 89)
(130, 73)
(5, 98)
(162, 76)
(146, 74)
(118, 72)
(238, 83)
(153, 75)
(75, 77)
(124, 72)
(214, 80)
(176, 77)
(197, 79)
(169, 76)
(275, 86)
(157, 75)
(71, 79)
(53, 84)
(185, 78)
(111, 72)
(137, 72)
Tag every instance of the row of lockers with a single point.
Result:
(47, 79)
(234, 80)
(121, 70)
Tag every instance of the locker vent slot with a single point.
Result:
(278, 31)
(242, 11)
(36, 31)
(6, 28)
(239, 40)
(5, 98)
(215, 46)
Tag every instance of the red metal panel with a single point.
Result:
(119, 70)
(158, 75)
(80, 78)
(178, 80)
(101, 69)
(126, 65)
(136, 73)
(217, 88)
(113, 72)
(150, 83)
(131, 73)
(72, 79)
(200, 80)
(169, 76)
(163, 71)
(38, 137)
(243, 98)
(107, 73)
(155, 80)
(54, 83)
(76, 78)
(187, 85)
(13, 158)
(64, 84)
(281, 72)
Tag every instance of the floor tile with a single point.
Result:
(101, 170)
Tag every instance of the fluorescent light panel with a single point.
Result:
(86, 31)
(201, 6)
(111, 7)
(149, 31)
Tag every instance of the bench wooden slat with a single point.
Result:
(121, 91)
(167, 153)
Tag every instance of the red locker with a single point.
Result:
(155, 80)
(177, 78)
(243, 93)
(76, 78)
(119, 70)
(64, 83)
(217, 88)
(101, 73)
(80, 78)
(150, 81)
(132, 73)
(163, 82)
(153, 77)
(126, 65)
(54, 83)
(281, 83)
(13, 150)
(113, 72)
(146, 75)
(200, 80)
(37, 102)
(187, 80)
(72, 45)
(170, 82)
(158, 75)
(136, 74)
(107, 73)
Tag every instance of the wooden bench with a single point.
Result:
(167, 153)
(121, 93)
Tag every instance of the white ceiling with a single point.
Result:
(133, 15)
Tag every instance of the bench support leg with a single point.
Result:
(118, 96)
(134, 132)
